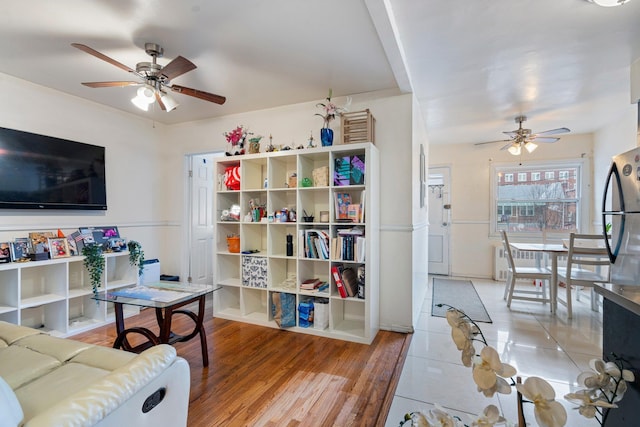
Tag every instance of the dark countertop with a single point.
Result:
(624, 295)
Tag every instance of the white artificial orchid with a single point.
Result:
(490, 416)
(439, 417)
(486, 372)
(588, 405)
(547, 411)
(462, 332)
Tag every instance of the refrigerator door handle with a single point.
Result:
(613, 172)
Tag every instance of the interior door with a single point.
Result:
(202, 221)
(438, 191)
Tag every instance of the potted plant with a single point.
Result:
(136, 255)
(94, 263)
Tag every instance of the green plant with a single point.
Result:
(136, 255)
(94, 263)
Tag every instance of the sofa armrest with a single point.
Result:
(95, 403)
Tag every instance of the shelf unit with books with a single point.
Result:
(295, 208)
(55, 295)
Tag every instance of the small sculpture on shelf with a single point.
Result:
(236, 139)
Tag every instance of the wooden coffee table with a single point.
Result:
(166, 298)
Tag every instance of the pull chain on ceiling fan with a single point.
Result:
(154, 79)
(524, 138)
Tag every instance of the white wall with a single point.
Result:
(471, 245)
(135, 176)
(292, 125)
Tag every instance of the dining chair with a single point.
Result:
(514, 290)
(587, 264)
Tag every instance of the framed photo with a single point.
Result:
(73, 246)
(40, 241)
(118, 244)
(5, 252)
(58, 247)
(19, 249)
(101, 235)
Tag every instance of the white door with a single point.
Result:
(438, 191)
(202, 231)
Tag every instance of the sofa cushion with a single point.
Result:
(104, 357)
(60, 348)
(9, 333)
(10, 408)
(19, 365)
(47, 390)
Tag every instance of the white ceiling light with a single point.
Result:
(169, 103)
(515, 149)
(530, 146)
(609, 3)
(144, 97)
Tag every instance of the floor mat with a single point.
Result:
(460, 294)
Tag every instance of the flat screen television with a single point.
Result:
(43, 172)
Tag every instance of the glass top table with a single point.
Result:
(166, 298)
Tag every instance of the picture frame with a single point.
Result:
(73, 246)
(5, 252)
(118, 244)
(40, 241)
(58, 247)
(101, 235)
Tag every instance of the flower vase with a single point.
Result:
(326, 136)
(254, 147)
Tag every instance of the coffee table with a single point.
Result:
(167, 298)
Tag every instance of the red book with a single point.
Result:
(338, 279)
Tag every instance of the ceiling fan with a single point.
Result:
(524, 138)
(153, 79)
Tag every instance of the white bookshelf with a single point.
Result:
(56, 295)
(352, 318)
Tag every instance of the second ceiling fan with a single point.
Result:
(524, 138)
(153, 79)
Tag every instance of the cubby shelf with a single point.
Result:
(266, 180)
(56, 296)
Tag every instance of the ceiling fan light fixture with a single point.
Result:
(609, 3)
(140, 102)
(169, 103)
(530, 146)
(146, 94)
(515, 149)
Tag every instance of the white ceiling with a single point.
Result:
(473, 64)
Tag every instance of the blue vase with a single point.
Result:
(326, 136)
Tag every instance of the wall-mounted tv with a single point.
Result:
(43, 172)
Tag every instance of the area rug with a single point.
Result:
(460, 294)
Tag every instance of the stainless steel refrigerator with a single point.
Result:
(621, 209)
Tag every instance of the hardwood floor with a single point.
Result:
(259, 376)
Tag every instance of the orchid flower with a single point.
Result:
(490, 416)
(440, 418)
(487, 369)
(587, 404)
(547, 411)
(462, 332)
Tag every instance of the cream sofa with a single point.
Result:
(60, 382)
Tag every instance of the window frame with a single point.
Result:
(583, 195)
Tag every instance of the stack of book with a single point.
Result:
(345, 279)
(349, 245)
(314, 243)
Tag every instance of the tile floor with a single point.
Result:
(526, 336)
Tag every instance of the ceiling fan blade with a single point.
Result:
(553, 131)
(110, 84)
(199, 94)
(511, 134)
(99, 55)
(177, 67)
(159, 101)
(509, 145)
(491, 142)
(544, 139)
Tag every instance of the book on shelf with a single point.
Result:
(350, 280)
(356, 176)
(316, 243)
(342, 202)
(311, 284)
(341, 171)
(337, 278)
(353, 212)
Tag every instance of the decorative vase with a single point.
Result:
(254, 147)
(326, 136)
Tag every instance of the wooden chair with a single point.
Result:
(533, 293)
(587, 264)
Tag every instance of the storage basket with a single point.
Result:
(358, 126)
(233, 243)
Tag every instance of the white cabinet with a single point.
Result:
(55, 295)
(273, 181)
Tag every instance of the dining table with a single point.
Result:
(553, 250)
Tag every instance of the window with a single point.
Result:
(508, 177)
(530, 206)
